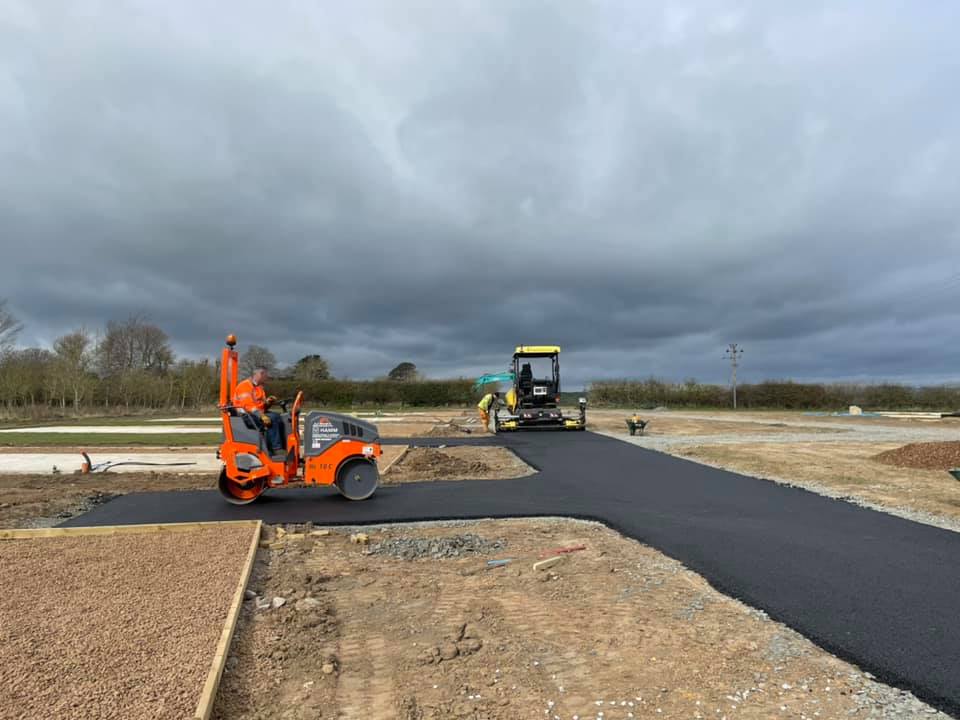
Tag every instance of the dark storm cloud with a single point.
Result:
(440, 181)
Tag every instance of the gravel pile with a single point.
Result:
(437, 548)
(923, 456)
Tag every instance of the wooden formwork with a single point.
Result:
(398, 458)
(209, 692)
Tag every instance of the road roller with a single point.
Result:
(335, 449)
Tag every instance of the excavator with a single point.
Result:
(336, 449)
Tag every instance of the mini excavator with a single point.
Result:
(337, 450)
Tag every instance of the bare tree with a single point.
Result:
(134, 344)
(23, 377)
(198, 382)
(129, 356)
(311, 368)
(74, 360)
(257, 356)
(10, 327)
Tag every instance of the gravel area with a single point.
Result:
(114, 626)
(412, 548)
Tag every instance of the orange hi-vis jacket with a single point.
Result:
(251, 398)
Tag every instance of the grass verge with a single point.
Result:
(42, 439)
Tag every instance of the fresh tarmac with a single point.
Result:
(875, 589)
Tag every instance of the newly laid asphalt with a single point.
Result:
(875, 589)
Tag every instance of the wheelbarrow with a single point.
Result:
(636, 425)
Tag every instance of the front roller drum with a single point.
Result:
(357, 479)
(237, 493)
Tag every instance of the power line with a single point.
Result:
(733, 353)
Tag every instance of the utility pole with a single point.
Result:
(733, 354)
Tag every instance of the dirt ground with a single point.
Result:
(769, 418)
(47, 500)
(412, 623)
(841, 470)
(114, 626)
(613, 421)
(456, 463)
(449, 424)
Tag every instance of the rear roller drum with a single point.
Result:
(238, 494)
(357, 479)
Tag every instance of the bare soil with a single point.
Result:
(444, 423)
(457, 463)
(774, 417)
(451, 429)
(411, 623)
(113, 626)
(614, 421)
(45, 500)
(925, 456)
(390, 455)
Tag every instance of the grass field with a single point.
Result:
(99, 421)
(42, 439)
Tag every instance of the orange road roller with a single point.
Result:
(337, 449)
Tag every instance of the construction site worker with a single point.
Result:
(487, 405)
(251, 396)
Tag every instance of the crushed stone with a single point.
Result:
(413, 548)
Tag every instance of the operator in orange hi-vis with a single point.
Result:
(251, 397)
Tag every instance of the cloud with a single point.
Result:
(439, 182)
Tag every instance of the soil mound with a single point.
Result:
(923, 456)
(445, 430)
(432, 462)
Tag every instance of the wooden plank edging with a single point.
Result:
(28, 533)
(398, 458)
(209, 694)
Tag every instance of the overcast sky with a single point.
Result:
(439, 181)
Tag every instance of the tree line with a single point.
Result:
(130, 366)
(773, 395)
